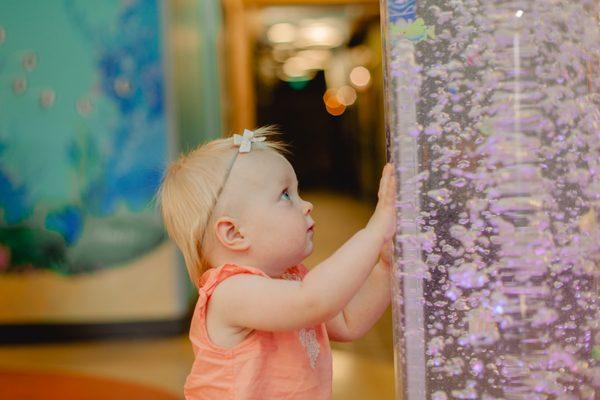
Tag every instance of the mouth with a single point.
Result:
(311, 228)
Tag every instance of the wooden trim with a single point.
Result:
(68, 332)
(241, 109)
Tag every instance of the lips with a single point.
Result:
(312, 227)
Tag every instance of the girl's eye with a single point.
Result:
(285, 195)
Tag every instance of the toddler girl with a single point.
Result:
(262, 323)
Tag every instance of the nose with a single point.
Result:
(308, 207)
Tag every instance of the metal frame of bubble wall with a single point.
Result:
(493, 123)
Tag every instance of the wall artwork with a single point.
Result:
(83, 141)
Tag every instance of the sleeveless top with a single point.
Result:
(291, 365)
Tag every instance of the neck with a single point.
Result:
(227, 257)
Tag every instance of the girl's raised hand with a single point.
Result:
(383, 219)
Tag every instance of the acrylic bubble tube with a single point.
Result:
(493, 123)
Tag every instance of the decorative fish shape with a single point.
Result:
(415, 31)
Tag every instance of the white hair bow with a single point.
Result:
(245, 142)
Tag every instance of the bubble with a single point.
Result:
(122, 86)
(483, 329)
(439, 395)
(433, 259)
(477, 366)
(433, 130)
(19, 85)
(84, 106)
(469, 392)
(454, 366)
(453, 293)
(544, 316)
(440, 195)
(468, 276)
(436, 346)
(459, 182)
(47, 98)
(29, 61)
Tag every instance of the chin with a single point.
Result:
(310, 249)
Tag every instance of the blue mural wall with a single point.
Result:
(83, 133)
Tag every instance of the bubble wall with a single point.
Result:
(493, 123)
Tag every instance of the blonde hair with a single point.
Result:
(190, 188)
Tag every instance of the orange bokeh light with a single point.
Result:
(332, 103)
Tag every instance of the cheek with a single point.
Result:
(259, 221)
(283, 220)
(267, 222)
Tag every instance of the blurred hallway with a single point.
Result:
(362, 369)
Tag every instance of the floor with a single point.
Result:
(362, 369)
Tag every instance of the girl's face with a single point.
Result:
(275, 218)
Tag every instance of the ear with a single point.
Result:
(230, 235)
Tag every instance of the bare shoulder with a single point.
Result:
(232, 291)
(225, 290)
(258, 302)
(219, 326)
(232, 287)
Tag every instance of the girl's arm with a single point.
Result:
(365, 308)
(256, 302)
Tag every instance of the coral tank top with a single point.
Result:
(291, 365)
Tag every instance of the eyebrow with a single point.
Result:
(288, 179)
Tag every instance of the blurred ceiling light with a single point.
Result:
(282, 33)
(295, 67)
(346, 95)
(316, 58)
(320, 34)
(360, 77)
